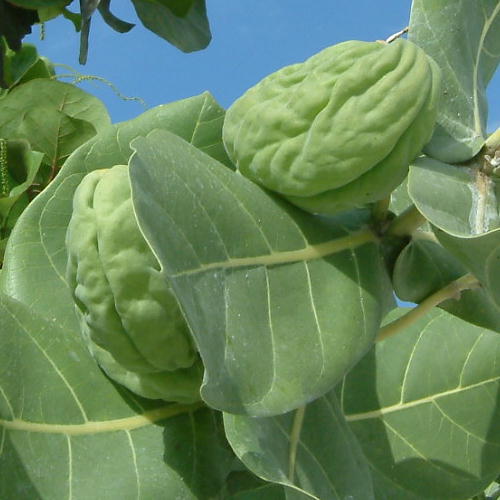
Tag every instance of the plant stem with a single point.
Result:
(396, 35)
(450, 291)
(298, 420)
(406, 222)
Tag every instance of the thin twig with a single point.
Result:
(396, 35)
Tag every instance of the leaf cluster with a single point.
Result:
(183, 23)
(316, 386)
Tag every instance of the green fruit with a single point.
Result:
(339, 130)
(128, 315)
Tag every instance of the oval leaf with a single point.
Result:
(464, 39)
(281, 303)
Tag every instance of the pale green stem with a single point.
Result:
(450, 291)
(298, 420)
(406, 222)
(95, 427)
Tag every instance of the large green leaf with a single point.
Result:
(424, 267)
(281, 303)
(425, 407)
(36, 256)
(188, 33)
(464, 39)
(463, 204)
(311, 451)
(68, 432)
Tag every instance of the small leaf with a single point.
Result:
(54, 133)
(464, 39)
(188, 33)
(17, 64)
(462, 201)
(43, 93)
(23, 165)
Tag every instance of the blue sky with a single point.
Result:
(250, 40)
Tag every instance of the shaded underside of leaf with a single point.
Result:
(315, 453)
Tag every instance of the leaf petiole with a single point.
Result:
(406, 222)
(450, 291)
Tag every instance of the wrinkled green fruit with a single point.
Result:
(129, 317)
(339, 130)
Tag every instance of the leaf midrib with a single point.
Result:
(97, 427)
(353, 417)
(307, 253)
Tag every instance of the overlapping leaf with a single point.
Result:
(311, 451)
(464, 39)
(425, 407)
(36, 257)
(68, 432)
(48, 377)
(463, 204)
(424, 267)
(281, 303)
